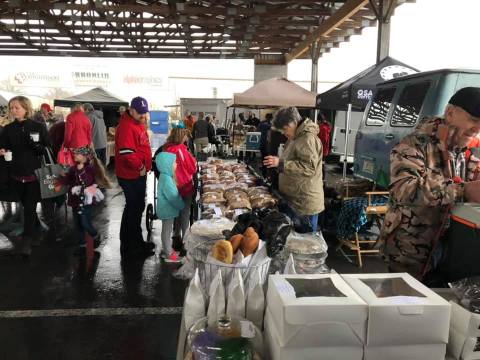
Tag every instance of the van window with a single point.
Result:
(409, 105)
(380, 105)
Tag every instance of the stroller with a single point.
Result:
(151, 212)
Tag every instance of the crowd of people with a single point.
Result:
(431, 169)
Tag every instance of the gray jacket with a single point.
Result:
(99, 131)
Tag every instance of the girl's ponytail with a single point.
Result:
(101, 177)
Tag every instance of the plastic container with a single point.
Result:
(229, 339)
(309, 252)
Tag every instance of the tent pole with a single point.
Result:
(347, 130)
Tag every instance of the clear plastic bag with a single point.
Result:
(468, 291)
(309, 252)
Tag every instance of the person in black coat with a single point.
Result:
(27, 140)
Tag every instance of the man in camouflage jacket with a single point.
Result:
(429, 173)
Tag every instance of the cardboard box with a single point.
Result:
(316, 311)
(401, 310)
(406, 352)
(464, 340)
(277, 352)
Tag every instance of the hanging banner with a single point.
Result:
(91, 78)
(30, 78)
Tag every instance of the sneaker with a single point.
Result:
(173, 258)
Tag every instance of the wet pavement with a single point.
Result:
(57, 306)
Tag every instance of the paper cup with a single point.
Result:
(35, 137)
(8, 156)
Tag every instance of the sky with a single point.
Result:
(428, 35)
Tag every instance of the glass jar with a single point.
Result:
(228, 339)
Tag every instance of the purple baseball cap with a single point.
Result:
(140, 105)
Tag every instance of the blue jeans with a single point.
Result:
(84, 224)
(314, 222)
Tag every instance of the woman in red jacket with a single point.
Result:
(186, 169)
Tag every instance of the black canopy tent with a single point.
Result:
(100, 99)
(358, 90)
(354, 94)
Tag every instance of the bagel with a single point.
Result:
(223, 251)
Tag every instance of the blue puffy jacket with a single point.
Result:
(169, 201)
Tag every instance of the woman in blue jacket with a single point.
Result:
(169, 202)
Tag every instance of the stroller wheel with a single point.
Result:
(149, 216)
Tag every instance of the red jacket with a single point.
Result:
(132, 148)
(78, 130)
(186, 168)
(324, 135)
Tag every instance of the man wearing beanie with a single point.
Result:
(431, 170)
(133, 160)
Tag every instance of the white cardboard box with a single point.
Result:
(401, 310)
(277, 352)
(406, 352)
(316, 321)
(464, 340)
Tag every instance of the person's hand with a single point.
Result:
(472, 191)
(143, 171)
(271, 161)
(2, 152)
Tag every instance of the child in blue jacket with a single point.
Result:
(169, 202)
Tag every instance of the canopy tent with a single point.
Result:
(98, 97)
(3, 101)
(276, 92)
(358, 90)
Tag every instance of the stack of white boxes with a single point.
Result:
(379, 317)
(408, 321)
(464, 342)
(311, 328)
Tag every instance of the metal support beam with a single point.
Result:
(383, 13)
(314, 54)
(350, 8)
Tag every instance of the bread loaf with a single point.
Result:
(236, 240)
(250, 242)
(223, 251)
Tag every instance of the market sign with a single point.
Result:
(30, 78)
(91, 78)
(147, 80)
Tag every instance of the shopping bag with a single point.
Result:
(48, 176)
(65, 157)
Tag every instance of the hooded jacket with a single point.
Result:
(186, 168)
(99, 131)
(300, 169)
(132, 148)
(78, 130)
(169, 201)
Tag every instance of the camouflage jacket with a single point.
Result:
(422, 192)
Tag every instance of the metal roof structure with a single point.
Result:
(272, 31)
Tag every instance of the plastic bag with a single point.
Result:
(468, 291)
(236, 296)
(194, 307)
(276, 228)
(290, 266)
(216, 305)
(308, 251)
(256, 302)
(185, 272)
(243, 222)
(211, 228)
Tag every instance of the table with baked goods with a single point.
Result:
(260, 290)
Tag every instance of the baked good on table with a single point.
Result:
(223, 251)
(236, 241)
(250, 242)
(263, 202)
(212, 198)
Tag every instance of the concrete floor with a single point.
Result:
(55, 306)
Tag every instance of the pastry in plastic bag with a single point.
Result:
(257, 190)
(209, 176)
(250, 242)
(217, 188)
(262, 202)
(235, 193)
(223, 251)
(239, 203)
(213, 198)
(237, 186)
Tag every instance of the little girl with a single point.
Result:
(169, 202)
(83, 180)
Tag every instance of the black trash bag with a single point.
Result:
(301, 223)
(243, 222)
(276, 228)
